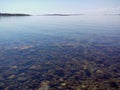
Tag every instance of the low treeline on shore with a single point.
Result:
(13, 14)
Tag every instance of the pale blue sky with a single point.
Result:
(60, 6)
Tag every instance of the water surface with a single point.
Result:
(60, 52)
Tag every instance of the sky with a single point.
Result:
(60, 6)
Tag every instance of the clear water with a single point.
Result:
(52, 30)
(60, 52)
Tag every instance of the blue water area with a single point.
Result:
(60, 52)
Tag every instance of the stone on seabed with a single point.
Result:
(45, 88)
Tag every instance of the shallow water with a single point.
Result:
(67, 52)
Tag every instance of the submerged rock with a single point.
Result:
(11, 77)
(33, 67)
(21, 79)
(14, 67)
(63, 84)
(45, 88)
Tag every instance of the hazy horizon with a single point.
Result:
(65, 7)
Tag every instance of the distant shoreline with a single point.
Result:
(14, 14)
(61, 14)
(20, 14)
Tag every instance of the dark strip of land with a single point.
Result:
(62, 14)
(15, 14)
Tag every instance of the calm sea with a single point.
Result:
(60, 52)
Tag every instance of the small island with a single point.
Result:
(14, 14)
(62, 14)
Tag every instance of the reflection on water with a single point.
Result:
(60, 53)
